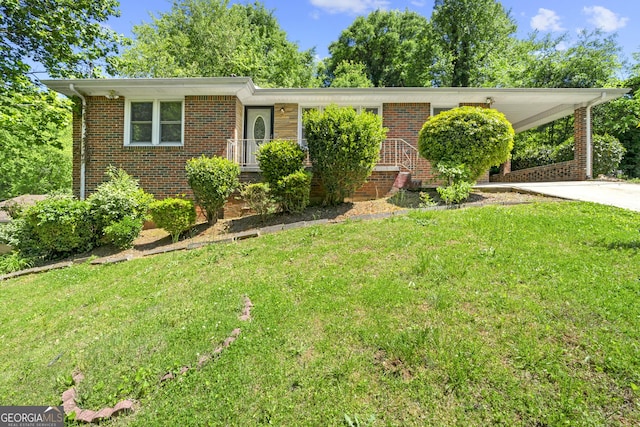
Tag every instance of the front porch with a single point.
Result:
(396, 154)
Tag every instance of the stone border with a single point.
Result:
(69, 397)
(235, 237)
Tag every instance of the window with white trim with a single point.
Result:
(375, 109)
(154, 122)
(438, 110)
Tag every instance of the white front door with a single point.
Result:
(257, 130)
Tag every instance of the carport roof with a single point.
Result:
(525, 108)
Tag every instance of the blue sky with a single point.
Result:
(316, 23)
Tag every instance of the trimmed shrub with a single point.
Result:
(279, 158)
(344, 147)
(57, 226)
(173, 215)
(258, 197)
(607, 153)
(122, 233)
(476, 137)
(212, 180)
(281, 163)
(293, 191)
(115, 200)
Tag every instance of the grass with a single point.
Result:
(522, 315)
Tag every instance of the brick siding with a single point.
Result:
(572, 170)
(208, 122)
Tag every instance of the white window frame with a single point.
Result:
(440, 107)
(321, 107)
(155, 124)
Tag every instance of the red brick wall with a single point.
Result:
(405, 121)
(208, 120)
(573, 170)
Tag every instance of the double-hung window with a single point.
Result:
(154, 122)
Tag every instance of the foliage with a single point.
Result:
(14, 261)
(458, 183)
(475, 137)
(122, 233)
(592, 61)
(350, 74)
(344, 147)
(468, 35)
(620, 119)
(200, 38)
(607, 153)
(258, 197)
(56, 226)
(279, 158)
(388, 43)
(281, 163)
(212, 180)
(173, 215)
(293, 191)
(35, 143)
(114, 200)
(66, 36)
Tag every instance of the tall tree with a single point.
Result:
(592, 61)
(351, 74)
(65, 36)
(390, 44)
(469, 34)
(35, 143)
(198, 38)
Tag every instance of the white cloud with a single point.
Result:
(562, 46)
(546, 20)
(604, 19)
(418, 3)
(349, 6)
(315, 14)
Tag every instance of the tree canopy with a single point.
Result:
(469, 35)
(388, 43)
(65, 36)
(199, 38)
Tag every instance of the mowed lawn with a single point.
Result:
(522, 315)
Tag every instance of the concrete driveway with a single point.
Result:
(620, 194)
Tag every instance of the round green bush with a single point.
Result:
(212, 180)
(294, 190)
(173, 215)
(279, 158)
(475, 137)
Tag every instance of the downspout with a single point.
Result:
(589, 136)
(83, 138)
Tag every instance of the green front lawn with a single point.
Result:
(522, 315)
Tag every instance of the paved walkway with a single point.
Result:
(621, 194)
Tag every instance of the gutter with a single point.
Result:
(83, 139)
(589, 171)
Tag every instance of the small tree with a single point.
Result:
(344, 147)
(477, 138)
(212, 181)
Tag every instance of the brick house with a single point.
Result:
(151, 127)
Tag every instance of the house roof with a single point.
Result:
(525, 108)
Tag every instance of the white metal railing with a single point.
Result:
(398, 152)
(395, 152)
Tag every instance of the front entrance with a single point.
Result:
(258, 128)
